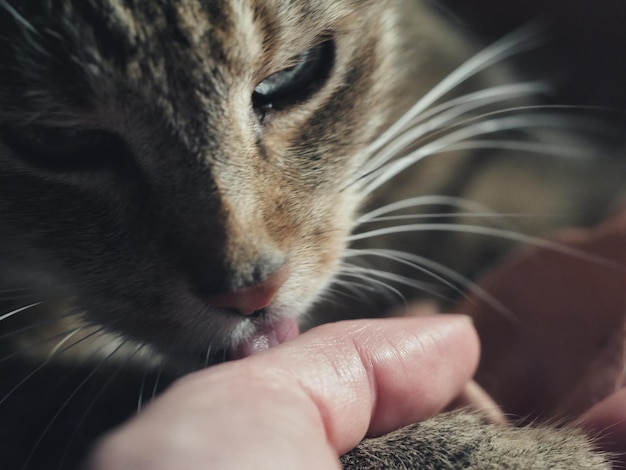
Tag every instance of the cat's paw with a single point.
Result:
(462, 440)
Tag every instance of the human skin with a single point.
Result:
(303, 403)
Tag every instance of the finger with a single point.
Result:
(305, 401)
(378, 375)
(606, 423)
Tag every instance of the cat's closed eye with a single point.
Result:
(298, 82)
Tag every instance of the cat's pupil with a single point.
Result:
(297, 83)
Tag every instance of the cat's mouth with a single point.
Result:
(266, 337)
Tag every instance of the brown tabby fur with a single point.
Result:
(192, 193)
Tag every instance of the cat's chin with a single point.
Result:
(267, 336)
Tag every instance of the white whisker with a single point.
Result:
(387, 289)
(445, 215)
(403, 280)
(141, 388)
(44, 364)
(420, 263)
(207, 356)
(398, 257)
(102, 389)
(421, 201)
(34, 325)
(491, 232)
(508, 46)
(156, 382)
(18, 310)
(18, 17)
(441, 117)
(60, 344)
(67, 401)
(446, 143)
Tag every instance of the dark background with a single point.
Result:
(585, 52)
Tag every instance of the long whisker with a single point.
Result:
(445, 143)
(102, 389)
(18, 17)
(421, 201)
(492, 232)
(460, 117)
(407, 281)
(44, 364)
(446, 215)
(207, 356)
(142, 387)
(18, 310)
(35, 325)
(419, 262)
(156, 382)
(443, 116)
(60, 344)
(397, 257)
(34, 345)
(67, 401)
(342, 290)
(361, 275)
(519, 41)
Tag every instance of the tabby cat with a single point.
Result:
(180, 179)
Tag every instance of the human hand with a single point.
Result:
(303, 403)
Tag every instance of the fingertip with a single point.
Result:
(438, 360)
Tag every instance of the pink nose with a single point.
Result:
(249, 300)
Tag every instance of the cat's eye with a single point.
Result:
(59, 148)
(294, 84)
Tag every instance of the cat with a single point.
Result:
(181, 181)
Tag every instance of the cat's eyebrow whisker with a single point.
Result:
(492, 232)
(431, 267)
(441, 116)
(18, 310)
(515, 43)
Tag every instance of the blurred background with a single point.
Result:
(585, 52)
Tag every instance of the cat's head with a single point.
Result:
(182, 169)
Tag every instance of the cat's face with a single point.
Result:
(158, 156)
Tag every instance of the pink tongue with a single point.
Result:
(268, 337)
